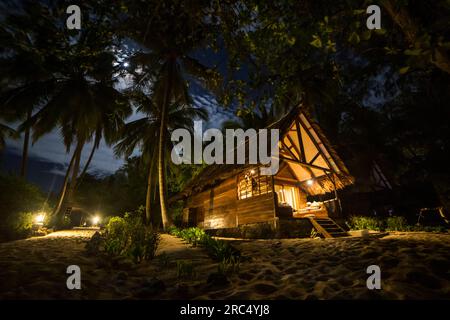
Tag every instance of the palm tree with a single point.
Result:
(26, 65)
(144, 131)
(82, 101)
(84, 110)
(6, 131)
(169, 31)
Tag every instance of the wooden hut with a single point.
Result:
(232, 196)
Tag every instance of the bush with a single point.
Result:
(397, 224)
(173, 231)
(369, 223)
(185, 270)
(18, 199)
(228, 266)
(116, 236)
(219, 250)
(19, 226)
(130, 237)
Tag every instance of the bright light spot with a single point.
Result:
(309, 182)
(95, 220)
(252, 171)
(39, 219)
(126, 64)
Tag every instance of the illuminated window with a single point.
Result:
(288, 196)
(251, 184)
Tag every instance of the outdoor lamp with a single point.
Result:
(39, 218)
(95, 220)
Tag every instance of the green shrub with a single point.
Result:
(193, 236)
(370, 223)
(230, 265)
(185, 270)
(116, 239)
(130, 237)
(219, 250)
(397, 223)
(18, 200)
(173, 231)
(19, 226)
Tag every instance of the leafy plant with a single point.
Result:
(397, 223)
(18, 199)
(193, 236)
(173, 231)
(229, 265)
(164, 259)
(185, 270)
(219, 250)
(116, 236)
(129, 236)
(19, 225)
(370, 223)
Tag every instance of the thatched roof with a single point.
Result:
(215, 174)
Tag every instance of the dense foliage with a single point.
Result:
(219, 250)
(130, 237)
(394, 223)
(18, 201)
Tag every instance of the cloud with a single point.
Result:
(50, 148)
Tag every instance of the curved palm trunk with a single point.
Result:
(86, 166)
(64, 187)
(161, 148)
(76, 168)
(26, 143)
(148, 214)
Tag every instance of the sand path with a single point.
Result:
(36, 268)
(413, 266)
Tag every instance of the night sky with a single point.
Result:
(48, 159)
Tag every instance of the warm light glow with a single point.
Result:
(252, 171)
(309, 182)
(39, 218)
(95, 220)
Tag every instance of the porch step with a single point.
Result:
(328, 227)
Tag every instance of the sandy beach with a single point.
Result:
(413, 266)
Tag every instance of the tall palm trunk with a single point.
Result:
(150, 178)
(86, 166)
(76, 168)
(64, 187)
(26, 143)
(161, 145)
